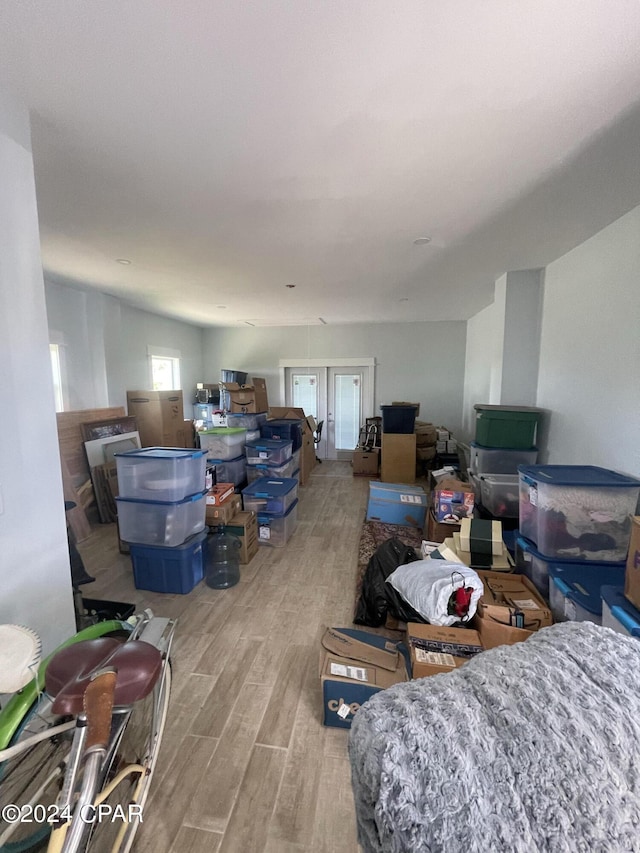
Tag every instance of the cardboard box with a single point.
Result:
(260, 394)
(242, 398)
(442, 434)
(244, 525)
(452, 500)
(218, 494)
(160, 417)
(512, 601)
(398, 460)
(434, 649)
(348, 643)
(397, 503)
(365, 463)
(223, 513)
(438, 531)
(482, 537)
(494, 634)
(348, 682)
(441, 446)
(452, 445)
(632, 574)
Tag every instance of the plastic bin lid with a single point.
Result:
(407, 406)
(622, 608)
(189, 499)
(581, 582)
(266, 517)
(163, 452)
(268, 443)
(576, 475)
(138, 548)
(222, 431)
(481, 407)
(475, 444)
(270, 487)
(226, 461)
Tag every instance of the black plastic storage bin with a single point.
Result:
(286, 429)
(398, 419)
(104, 611)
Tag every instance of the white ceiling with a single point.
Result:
(229, 148)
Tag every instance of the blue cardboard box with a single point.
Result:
(347, 682)
(397, 503)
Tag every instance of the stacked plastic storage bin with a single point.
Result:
(161, 514)
(574, 534)
(224, 447)
(272, 492)
(284, 429)
(505, 439)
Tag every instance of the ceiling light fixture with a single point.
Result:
(421, 241)
(290, 286)
(124, 261)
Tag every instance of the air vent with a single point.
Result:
(303, 321)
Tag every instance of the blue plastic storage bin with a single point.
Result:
(269, 494)
(574, 589)
(577, 512)
(276, 529)
(284, 429)
(249, 422)
(172, 570)
(618, 612)
(160, 473)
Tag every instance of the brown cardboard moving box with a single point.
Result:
(398, 462)
(438, 531)
(510, 609)
(160, 417)
(435, 649)
(365, 463)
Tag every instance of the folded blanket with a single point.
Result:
(531, 747)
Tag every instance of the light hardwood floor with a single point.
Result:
(246, 764)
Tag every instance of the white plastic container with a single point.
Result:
(248, 422)
(276, 530)
(500, 494)
(230, 470)
(160, 473)
(268, 451)
(577, 512)
(254, 472)
(160, 522)
(223, 442)
(499, 460)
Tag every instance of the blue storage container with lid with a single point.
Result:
(284, 429)
(268, 451)
(160, 473)
(618, 612)
(577, 512)
(574, 589)
(271, 495)
(171, 570)
(276, 529)
(535, 565)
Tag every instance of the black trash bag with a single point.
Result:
(378, 597)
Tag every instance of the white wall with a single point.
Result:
(35, 577)
(589, 375)
(420, 362)
(483, 364)
(106, 342)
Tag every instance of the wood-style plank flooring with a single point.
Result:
(246, 764)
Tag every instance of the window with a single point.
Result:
(165, 368)
(56, 370)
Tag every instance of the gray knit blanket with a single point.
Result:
(531, 747)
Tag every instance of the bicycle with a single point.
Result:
(77, 758)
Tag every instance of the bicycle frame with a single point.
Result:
(91, 768)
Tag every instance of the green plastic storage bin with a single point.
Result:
(512, 427)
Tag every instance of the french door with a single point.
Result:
(338, 395)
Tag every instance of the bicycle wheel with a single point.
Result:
(35, 775)
(138, 744)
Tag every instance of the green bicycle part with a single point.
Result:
(13, 713)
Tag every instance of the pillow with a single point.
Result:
(427, 586)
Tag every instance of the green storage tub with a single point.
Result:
(512, 427)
